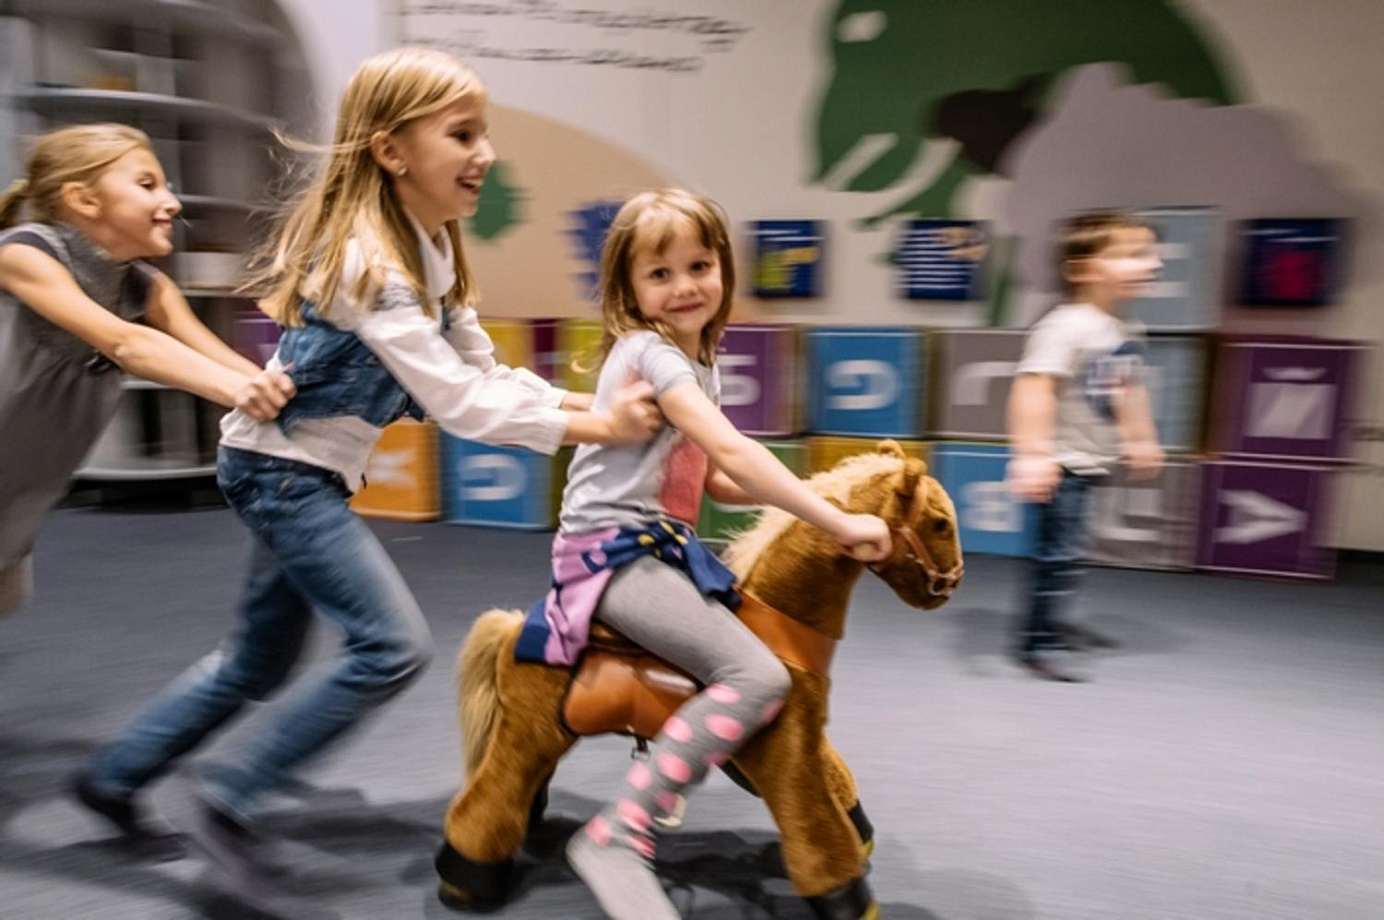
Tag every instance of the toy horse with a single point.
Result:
(520, 718)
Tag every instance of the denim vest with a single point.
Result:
(337, 374)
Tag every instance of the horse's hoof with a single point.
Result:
(453, 898)
(471, 886)
(852, 901)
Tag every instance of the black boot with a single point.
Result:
(852, 901)
(468, 885)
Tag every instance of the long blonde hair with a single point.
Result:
(77, 154)
(654, 219)
(353, 196)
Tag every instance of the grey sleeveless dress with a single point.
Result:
(57, 393)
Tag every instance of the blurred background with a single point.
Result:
(893, 170)
(890, 165)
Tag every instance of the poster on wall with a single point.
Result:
(787, 258)
(1290, 263)
(941, 259)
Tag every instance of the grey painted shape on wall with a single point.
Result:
(1110, 144)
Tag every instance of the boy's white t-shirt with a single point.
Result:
(636, 484)
(1094, 356)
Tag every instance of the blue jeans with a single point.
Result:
(1056, 566)
(310, 551)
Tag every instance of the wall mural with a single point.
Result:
(977, 77)
(891, 146)
(1079, 104)
(1134, 146)
(904, 106)
(978, 74)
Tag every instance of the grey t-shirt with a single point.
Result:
(1094, 356)
(636, 484)
(57, 393)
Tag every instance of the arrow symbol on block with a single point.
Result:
(1255, 517)
(389, 467)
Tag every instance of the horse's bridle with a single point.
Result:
(939, 583)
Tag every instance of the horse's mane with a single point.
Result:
(747, 546)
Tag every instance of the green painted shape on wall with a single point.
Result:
(498, 210)
(979, 71)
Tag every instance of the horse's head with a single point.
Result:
(925, 566)
(786, 562)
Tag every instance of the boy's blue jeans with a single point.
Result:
(310, 551)
(1057, 564)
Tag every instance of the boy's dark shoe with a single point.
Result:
(146, 839)
(1083, 638)
(1042, 667)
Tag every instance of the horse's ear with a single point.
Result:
(890, 448)
(913, 472)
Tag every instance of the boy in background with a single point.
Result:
(1078, 406)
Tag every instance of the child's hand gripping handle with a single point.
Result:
(864, 537)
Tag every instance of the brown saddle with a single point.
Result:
(619, 687)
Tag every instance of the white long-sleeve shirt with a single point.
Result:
(453, 376)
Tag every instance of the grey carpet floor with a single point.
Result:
(1226, 764)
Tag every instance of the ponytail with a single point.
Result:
(12, 202)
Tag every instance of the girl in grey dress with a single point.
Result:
(77, 305)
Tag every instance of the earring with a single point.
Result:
(402, 170)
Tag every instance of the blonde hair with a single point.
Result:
(77, 154)
(353, 196)
(653, 220)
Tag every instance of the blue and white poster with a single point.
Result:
(941, 259)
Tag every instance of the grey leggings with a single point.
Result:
(658, 607)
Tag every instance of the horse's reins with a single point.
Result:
(939, 583)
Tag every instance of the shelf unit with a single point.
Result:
(126, 103)
(210, 82)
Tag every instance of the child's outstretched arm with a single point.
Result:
(168, 312)
(469, 339)
(752, 467)
(1138, 436)
(494, 409)
(41, 282)
(723, 489)
(1033, 471)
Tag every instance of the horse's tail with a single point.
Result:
(478, 689)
